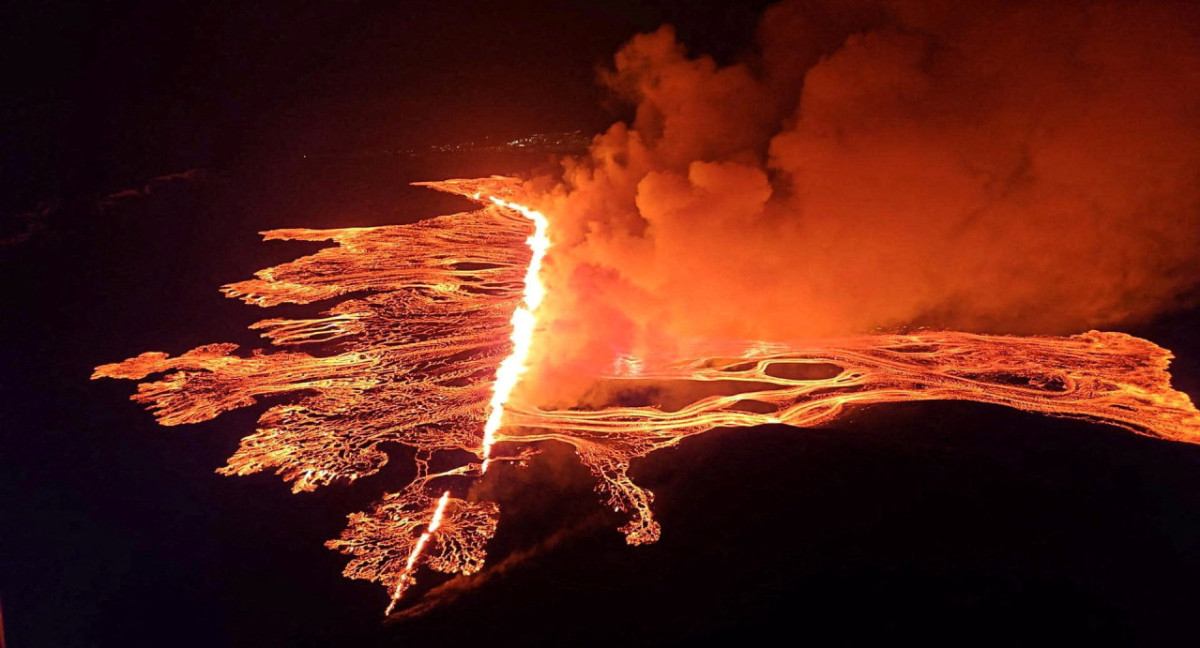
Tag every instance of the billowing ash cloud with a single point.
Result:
(1028, 167)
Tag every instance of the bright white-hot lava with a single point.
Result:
(523, 321)
(406, 576)
(409, 357)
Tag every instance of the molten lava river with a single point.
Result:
(437, 335)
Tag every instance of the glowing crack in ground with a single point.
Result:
(434, 331)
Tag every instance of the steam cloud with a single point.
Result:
(1026, 167)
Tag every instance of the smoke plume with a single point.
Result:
(1023, 167)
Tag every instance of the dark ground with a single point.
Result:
(961, 522)
(943, 522)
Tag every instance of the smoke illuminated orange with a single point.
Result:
(435, 331)
(523, 321)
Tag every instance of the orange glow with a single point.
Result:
(406, 577)
(1112, 378)
(523, 321)
(433, 334)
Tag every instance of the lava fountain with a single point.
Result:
(433, 333)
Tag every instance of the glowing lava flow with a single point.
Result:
(1111, 378)
(523, 321)
(406, 577)
(507, 374)
(433, 333)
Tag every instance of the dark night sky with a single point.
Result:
(955, 523)
(97, 93)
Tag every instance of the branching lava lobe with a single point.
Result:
(434, 331)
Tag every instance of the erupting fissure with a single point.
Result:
(523, 321)
(419, 354)
(406, 576)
